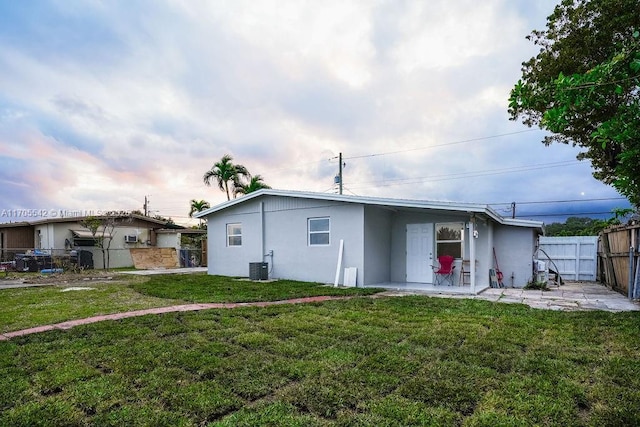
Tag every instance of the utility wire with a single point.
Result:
(461, 175)
(439, 145)
(564, 214)
(560, 201)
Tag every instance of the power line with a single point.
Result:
(482, 138)
(462, 175)
(440, 145)
(565, 214)
(561, 201)
(512, 206)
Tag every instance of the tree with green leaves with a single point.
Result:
(226, 174)
(584, 87)
(256, 183)
(578, 226)
(198, 206)
(102, 229)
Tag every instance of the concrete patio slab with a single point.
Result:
(572, 296)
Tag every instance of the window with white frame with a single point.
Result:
(450, 239)
(319, 231)
(234, 234)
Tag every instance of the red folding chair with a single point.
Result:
(444, 271)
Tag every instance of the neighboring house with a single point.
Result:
(387, 241)
(58, 236)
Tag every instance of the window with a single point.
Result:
(319, 231)
(234, 234)
(449, 239)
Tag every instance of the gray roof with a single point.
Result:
(76, 219)
(376, 201)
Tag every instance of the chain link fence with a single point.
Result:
(34, 260)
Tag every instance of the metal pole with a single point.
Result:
(636, 276)
(340, 171)
(630, 283)
(472, 255)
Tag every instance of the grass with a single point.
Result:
(358, 362)
(23, 308)
(202, 288)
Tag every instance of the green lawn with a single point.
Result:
(23, 308)
(204, 288)
(28, 307)
(370, 362)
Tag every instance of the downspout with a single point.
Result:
(472, 254)
(262, 247)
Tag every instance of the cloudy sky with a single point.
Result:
(105, 102)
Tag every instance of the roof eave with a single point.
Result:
(394, 203)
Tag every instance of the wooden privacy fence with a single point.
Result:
(618, 260)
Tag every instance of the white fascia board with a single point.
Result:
(395, 203)
(471, 208)
(228, 204)
(523, 223)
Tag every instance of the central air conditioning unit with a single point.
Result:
(131, 239)
(259, 270)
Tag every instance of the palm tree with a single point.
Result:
(256, 183)
(224, 171)
(198, 206)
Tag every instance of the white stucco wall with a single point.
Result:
(484, 253)
(168, 240)
(285, 233)
(234, 261)
(514, 249)
(399, 222)
(375, 241)
(377, 246)
(294, 258)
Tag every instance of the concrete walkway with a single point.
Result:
(573, 296)
(569, 297)
(161, 310)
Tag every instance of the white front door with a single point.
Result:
(419, 253)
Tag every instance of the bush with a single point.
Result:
(536, 285)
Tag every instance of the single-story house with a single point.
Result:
(57, 237)
(385, 242)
